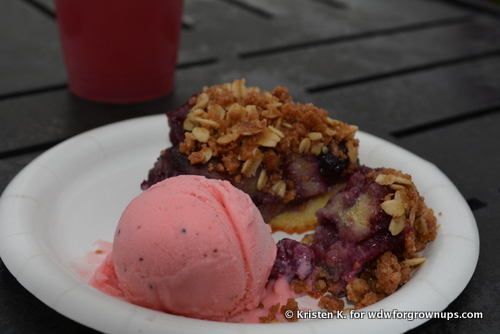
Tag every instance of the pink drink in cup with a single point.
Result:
(120, 51)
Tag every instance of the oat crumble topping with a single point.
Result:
(250, 130)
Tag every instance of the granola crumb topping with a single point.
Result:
(293, 306)
(331, 303)
(248, 131)
(271, 317)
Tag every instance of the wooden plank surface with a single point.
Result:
(424, 74)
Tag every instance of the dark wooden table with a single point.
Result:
(422, 74)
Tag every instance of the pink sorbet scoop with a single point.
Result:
(191, 246)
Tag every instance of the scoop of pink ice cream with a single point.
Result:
(194, 247)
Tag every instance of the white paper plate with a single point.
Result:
(72, 195)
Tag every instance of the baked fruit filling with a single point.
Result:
(301, 169)
(279, 152)
(366, 242)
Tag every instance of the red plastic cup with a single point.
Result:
(120, 51)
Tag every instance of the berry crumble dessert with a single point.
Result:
(364, 226)
(281, 153)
